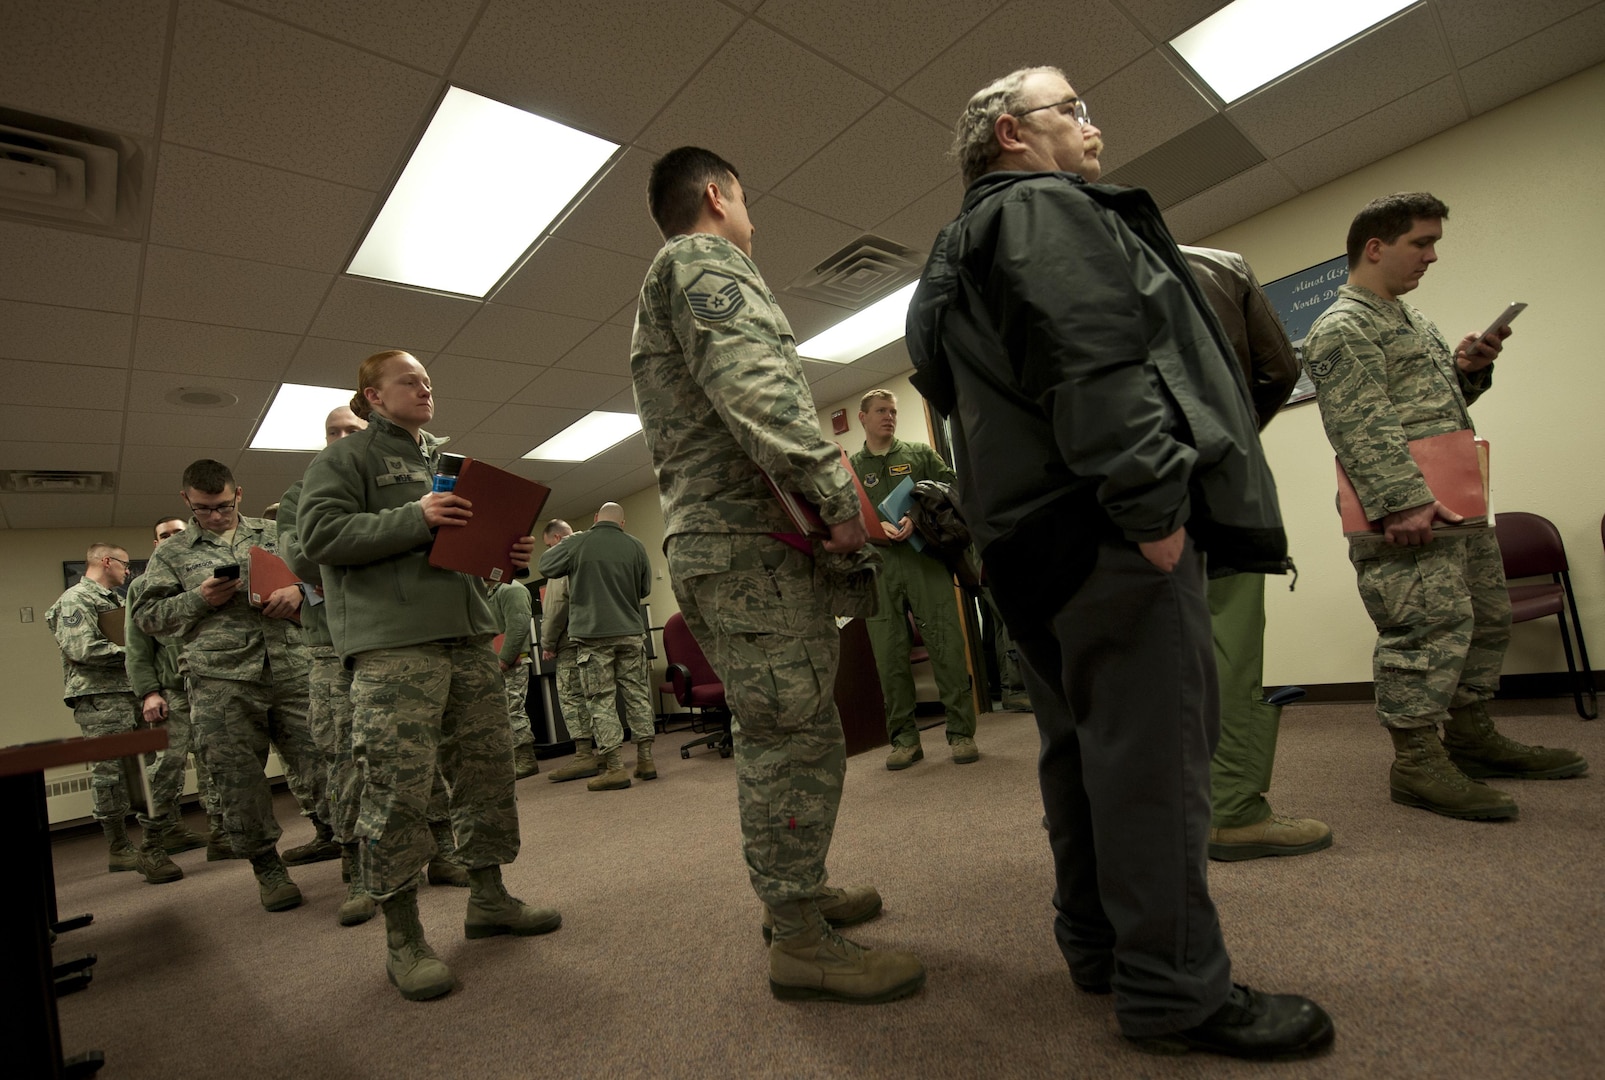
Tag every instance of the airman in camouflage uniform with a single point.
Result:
(1384, 376)
(95, 687)
(722, 398)
(557, 646)
(246, 669)
(609, 576)
(511, 605)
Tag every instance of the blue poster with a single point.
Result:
(1299, 299)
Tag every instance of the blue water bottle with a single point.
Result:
(446, 470)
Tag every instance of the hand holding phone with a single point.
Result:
(220, 588)
(1505, 318)
(232, 570)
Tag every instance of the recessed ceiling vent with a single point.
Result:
(861, 273)
(56, 482)
(56, 173)
(200, 397)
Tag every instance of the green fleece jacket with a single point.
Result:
(360, 520)
(609, 576)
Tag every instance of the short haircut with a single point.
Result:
(271, 512)
(156, 525)
(1390, 217)
(555, 526)
(368, 373)
(207, 476)
(674, 190)
(863, 404)
(975, 140)
(100, 549)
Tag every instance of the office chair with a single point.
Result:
(695, 686)
(1530, 545)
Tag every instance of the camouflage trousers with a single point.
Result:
(108, 714)
(515, 683)
(1443, 621)
(750, 602)
(236, 722)
(609, 669)
(329, 714)
(165, 771)
(411, 709)
(570, 695)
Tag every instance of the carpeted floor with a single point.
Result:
(1442, 948)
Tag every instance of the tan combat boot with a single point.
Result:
(154, 863)
(613, 777)
(273, 882)
(412, 965)
(492, 911)
(1276, 835)
(902, 757)
(644, 769)
(840, 907)
(808, 961)
(1422, 775)
(358, 907)
(121, 855)
(218, 844)
(583, 767)
(443, 869)
(176, 838)
(524, 762)
(321, 848)
(1482, 752)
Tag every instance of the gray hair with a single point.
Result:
(975, 143)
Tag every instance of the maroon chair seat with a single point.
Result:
(693, 683)
(1530, 546)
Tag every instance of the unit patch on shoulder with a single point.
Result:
(899, 470)
(871, 479)
(714, 297)
(1322, 365)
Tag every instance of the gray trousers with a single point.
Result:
(1122, 678)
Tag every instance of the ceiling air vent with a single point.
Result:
(56, 482)
(860, 273)
(56, 173)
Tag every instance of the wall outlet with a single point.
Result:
(27, 614)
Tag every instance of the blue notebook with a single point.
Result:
(896, 506)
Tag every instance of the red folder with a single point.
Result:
(1455, 467)
(805, 515)
(267, 574)
(506, 507)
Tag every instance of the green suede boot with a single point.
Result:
(584, 766)
(412, 965)
(121, 854)
(492, 911)
(1422, 775)
(1482, 752)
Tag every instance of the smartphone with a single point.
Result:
(232, 570)
(1506, 317)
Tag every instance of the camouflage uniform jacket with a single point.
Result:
(91, 663)
(152, 664)
(722, 394)
(510, 604)
(235, 641)
(1384, 375)
(314, 619)
(609, 575)
(554, 615)
(360, 520)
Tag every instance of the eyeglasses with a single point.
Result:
(124, 563)
(220, 510)
(1078, 111)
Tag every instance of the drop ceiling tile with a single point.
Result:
(57, 511)
(62, 335)
(500, 332)
(1229, 202)
(422, 33)
(604, 68)
(148, 391)
(70, 269)
(632, 452)
(1089, 44)
(623, 401)
(1534, 62)
(45, 424)
(250, 87)
(499, 450)
(194, 286)
(287, 466)
(162, 429)
(534, 422)
(89, 63)
(807, 102)
(23, 382)
(1164, 19)
(331, 362)
(1369, 138)
(815, 370)
(139, 510)
(204, 349)
(360, 310)
(917, 224)
(790, 240)
(472, 378)
(1479, 28)
(587, 478)
(889, 359)
(877, 42)
(557, 388)
(625, 316)
(174, 459)
(456, 416)
(1384, 65)
(1142, 106)
(614, 214)
(229, 207)
(574, 279)
(606, 352)
(809, 317)
(58, 455)
(542, 472)
(866, 173)
(154, 483)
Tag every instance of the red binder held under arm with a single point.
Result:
(268, 574)
(805, 515)
(505, 508)
(1455, 467)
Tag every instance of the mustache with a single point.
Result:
(1094, 146)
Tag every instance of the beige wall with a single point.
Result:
(1527, 222)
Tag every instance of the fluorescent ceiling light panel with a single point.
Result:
(1245, 45)
(483, 185)
(295, 419)
(587, 437)
(881, 323)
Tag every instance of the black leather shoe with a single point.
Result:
(1253, 1025)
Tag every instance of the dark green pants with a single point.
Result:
(926, 585)
(1240, 772)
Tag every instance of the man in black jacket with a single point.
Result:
(1104, 443)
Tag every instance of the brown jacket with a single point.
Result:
(1256, 333)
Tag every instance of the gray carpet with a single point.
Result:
(1441, 948)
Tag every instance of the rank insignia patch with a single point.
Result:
(1321, 367)
(714, 297)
